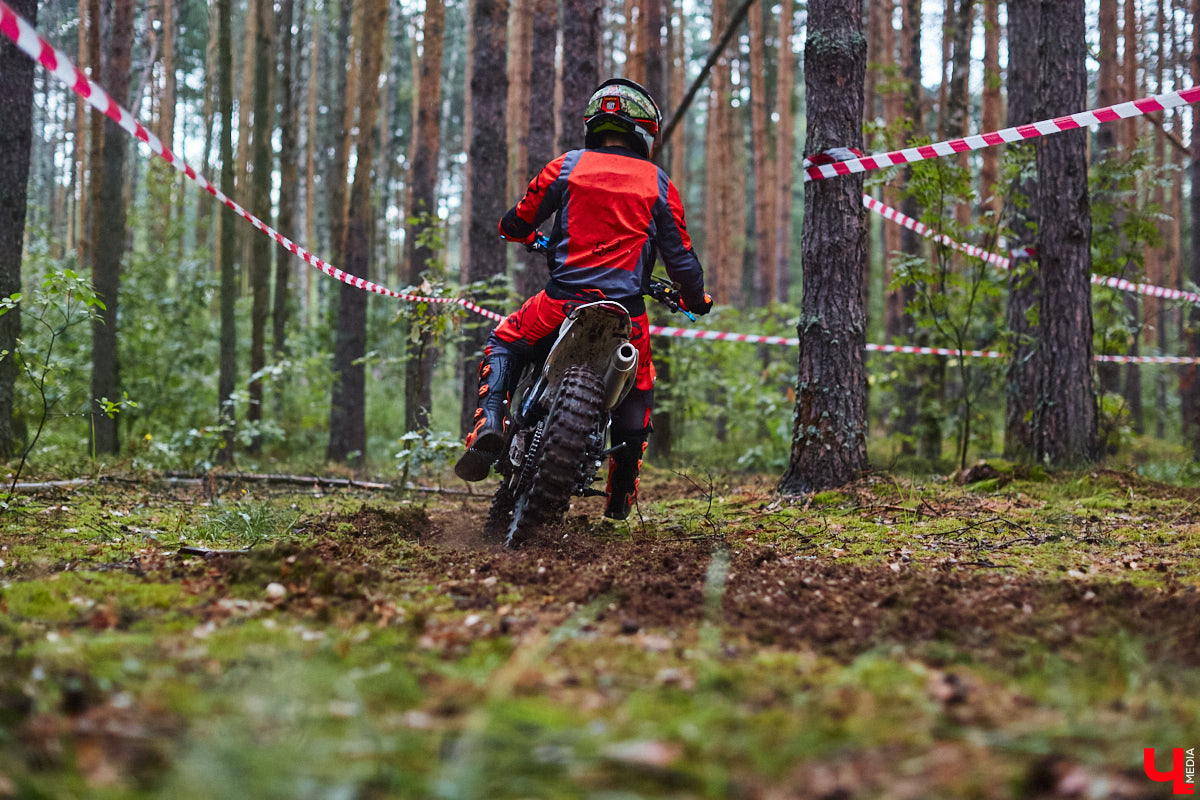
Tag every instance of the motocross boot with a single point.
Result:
(485, 442)
(623, 468)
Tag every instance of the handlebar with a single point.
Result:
(668, 294)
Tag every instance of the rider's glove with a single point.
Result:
(701, 309)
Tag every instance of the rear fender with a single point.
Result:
(590, 335)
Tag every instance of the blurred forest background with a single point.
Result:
(389, 138)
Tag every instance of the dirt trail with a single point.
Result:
(770, 595)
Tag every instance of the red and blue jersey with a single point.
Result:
(615, 213)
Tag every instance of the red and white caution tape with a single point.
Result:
(1145, 288)
(722, 336)
(1146, 105)
(887, 212)
(791, 341)
(18, 29)
(1150, 359)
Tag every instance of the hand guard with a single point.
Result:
(701, 309)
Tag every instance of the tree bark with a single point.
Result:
(166, 128)
(1163, 256)
(1065, 419)
(206, 213)
(110, 239)
(336, 179)
(521, 20)
(487, 159)
(989, 170)
(1189, 385)
(260, 245)
(227, 239)
(422, 258)
(653, 54)
(764, 251)
(912, 245)
(531, 273)
(81, 145)
(1025, 280)
(347, 419)
(16, 130)
(785, 142)
(1129, 140)
(289, 177)
(580, 24)
(1106, 143)
(717, 144)
(829, 438)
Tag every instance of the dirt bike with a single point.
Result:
(559, 415)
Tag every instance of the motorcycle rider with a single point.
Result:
(615, 211)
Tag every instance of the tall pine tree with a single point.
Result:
(829, 438)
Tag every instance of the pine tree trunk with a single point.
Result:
(656, 70)
(764, 252)
(901, 324)
(347, 419)
(1164, 255)
(245, 139)
(531, 272)
(785, 142)
(487, 158)
(829, 437)
(166, 128)
(421, 258)
(1189, 384)
(340, 108)
(226, 220)
(1066, 416)
(289, 176)
(989, 170)
(893, 110)
(521, 20)
(1129, 137)
(580, 25)
(110, 239)
(1024, 281)
(205, 212)
(260, 245)
(1107, 94)
(310, 148)
(733, 217)
(16, 131)
(716, 177)
(81, 145)
(95, 132)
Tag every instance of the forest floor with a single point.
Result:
(1004, 638)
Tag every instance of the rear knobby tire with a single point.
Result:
(573, 418)
(500, 513)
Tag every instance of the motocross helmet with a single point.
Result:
(622, 106)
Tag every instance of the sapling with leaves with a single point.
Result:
(956, 297)
(63, 301)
